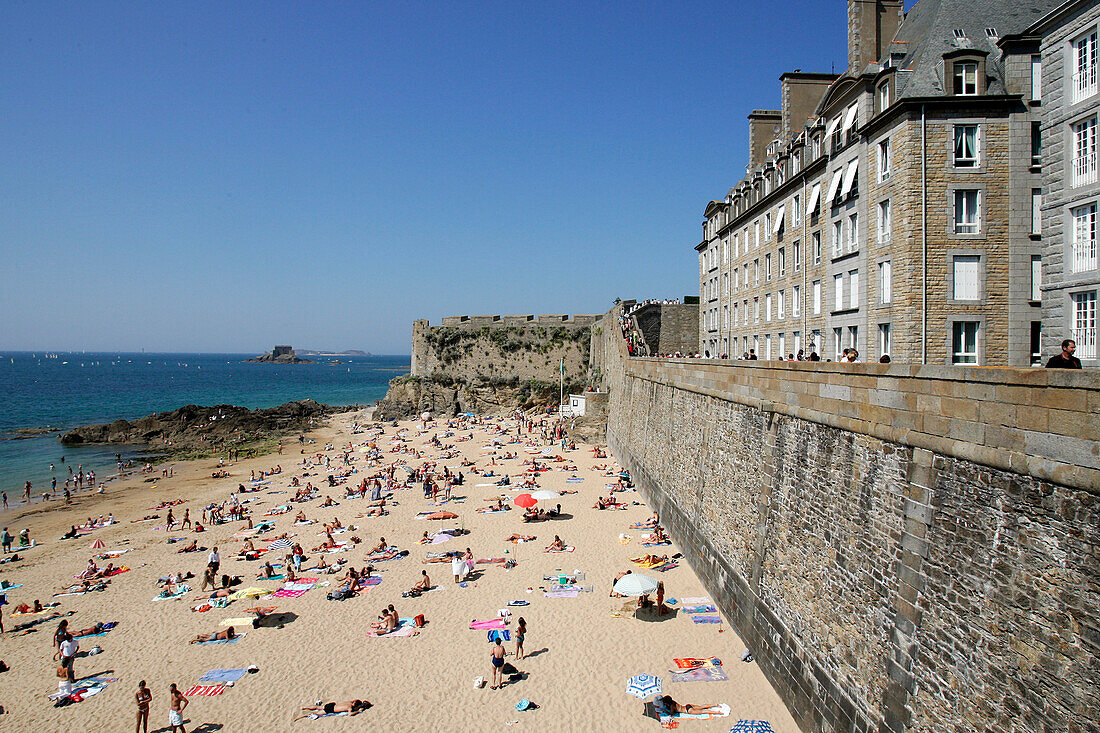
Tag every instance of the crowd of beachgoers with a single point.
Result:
(467, 572)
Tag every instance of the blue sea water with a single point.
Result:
(63, 390)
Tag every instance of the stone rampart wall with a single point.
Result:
(902, 548)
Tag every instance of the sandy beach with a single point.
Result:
(581, 654)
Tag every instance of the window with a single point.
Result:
(815, 147)
(781, 305)
(966, 146)
(735, 315)
(838, 343)
(1084, 152)
(837, 237)
(745, 310)
(884, 221)
(815, 340)
(736, 245)
(782, 261)
(796, 256)
(838, 287)
(756, 271)
(966, 78)
(817, 297)
(796, 301)
(884, 159)
(964, 342)
(851, 180)
(755, 344)
(965, 277)
(768, 308)
(1084, 257)
(853, 337)
(1084, 72)
(816, 237)
(782, 345)
(967, 216)
(726, 317)
(756, 234)
(756, 310)
(853, 289)
(1036, 277)
(1036, 211)
(883, 95)
(1036, 342)
(1084, 324)
(725, 251)
(853, 232)
(796, 211)
(815, 199)
(767, 268)
(736, 279)
(797, 343)
(1036, 77)
(767, 347)
(885, 284)
(767, 225)
(884, 339)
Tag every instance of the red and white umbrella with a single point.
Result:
(98, 545)
(525, 500)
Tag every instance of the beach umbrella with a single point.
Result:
(409, 469)
(283, 544)
(442, 515)
(525, 500)
(441, 538)
(544, 494)
(643, 685)
(250, 593)
(98, 545)
(752, 726)
(635, 584)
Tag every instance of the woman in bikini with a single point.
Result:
(521, 631)
(556, 545)
(352, 707)
(229, 633)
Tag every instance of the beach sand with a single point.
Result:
(581, 657)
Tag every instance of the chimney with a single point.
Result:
(872, 25)
(764, 127)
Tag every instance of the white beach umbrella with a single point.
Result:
(635, 584)
(543, 494)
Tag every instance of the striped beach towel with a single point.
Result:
(205, 690)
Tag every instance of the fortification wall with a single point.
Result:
(902, 547)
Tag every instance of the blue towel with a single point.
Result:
(707, 619)
(504, 634)
(223, 675)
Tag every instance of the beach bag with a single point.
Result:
(419, 620)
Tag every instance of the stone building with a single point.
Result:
(1071, 186)
(892, 208)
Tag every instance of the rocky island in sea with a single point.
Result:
(281, 355)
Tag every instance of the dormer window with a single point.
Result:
(965, 81)
(883, 95)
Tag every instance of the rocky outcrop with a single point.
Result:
(445, 397)
(281, 355)
(200, 429)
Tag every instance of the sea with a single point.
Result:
(56, 391)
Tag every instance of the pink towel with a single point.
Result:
(482, 625)
(282, 593)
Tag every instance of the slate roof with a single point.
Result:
(928, 32)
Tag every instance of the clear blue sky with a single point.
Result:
(227, 176)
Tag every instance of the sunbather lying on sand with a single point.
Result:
(214, 636)
(650, 560)
(193, 547)
(380, 547)
(665, 706)
(520, 538)
(352, 707)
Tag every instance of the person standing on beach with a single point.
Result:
(497, 659)
(142, 697)
(521, 631)
(4, 495)
(27, 492)
(214, 561)
(175, 713)
(6, 539)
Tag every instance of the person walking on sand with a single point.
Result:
(142, 697)
(497, 659)
(214, 561)
(177, 703)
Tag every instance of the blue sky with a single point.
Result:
(224, 177)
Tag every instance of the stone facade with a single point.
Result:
(873, 265)
(668, 327)
(901, 547)
(1071, 276)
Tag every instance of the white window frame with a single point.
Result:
(767, 308)
(961, 333)
(884, 221)
(853, 232)
(1083, 254)
(838, 236)
(967, 216)
(885, 281)
(884, 160)
(1037, 211)
(884, 339)
(1036, 277)
(1083, 323)
(796, 301)
(853, 289)
(1036, 77)
(1083, 53)
(966, 273)
(816, 287)
(838, 291)
(796, 211)
(966, 150)
(965, 78)
(796, 254)
(816, 238)
(781, 305)
(1083, 142)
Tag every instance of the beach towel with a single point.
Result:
(238, 622)
(656, 544)
(503, 634)
(704, 608)
(568, 548)
(562, 594)
(374, 580)
(181, 591)
(490, 560)
(700, 674)
(205, 690)
(695, 662)
(85, 688)
(696, 600)
(495, 623)
(216, 676)
(284, 593)
(234, 640)
(707, 619)
(300, 584)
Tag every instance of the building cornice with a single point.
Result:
(914, 104)
(788, 187)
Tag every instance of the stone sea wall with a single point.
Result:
(902, 547)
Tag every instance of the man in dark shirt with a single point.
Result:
(1065, 360)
